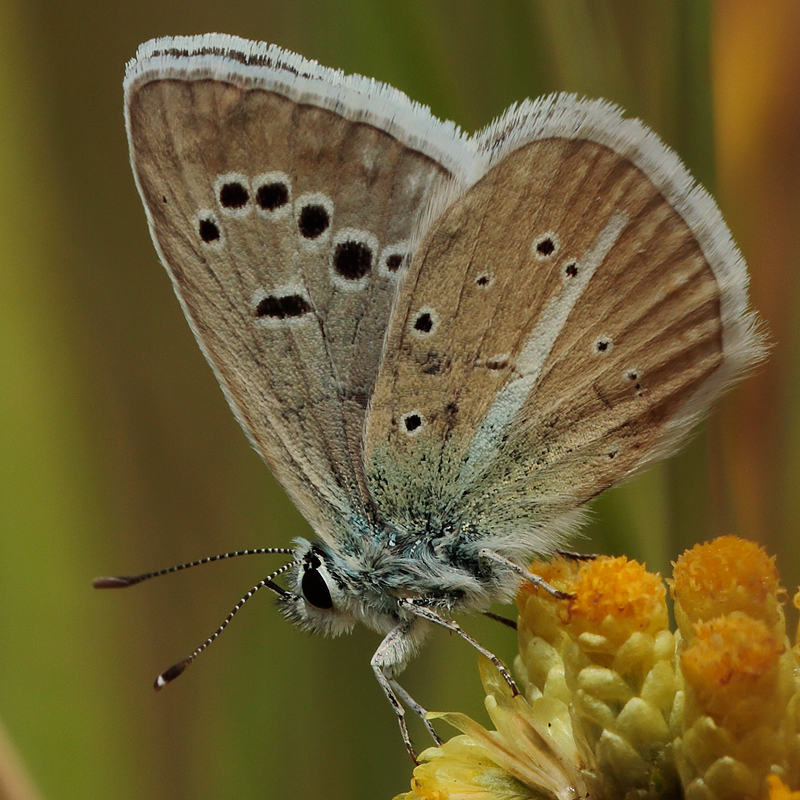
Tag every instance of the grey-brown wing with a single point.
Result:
(284, 223)
(564, 322)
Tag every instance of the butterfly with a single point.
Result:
(442, 345)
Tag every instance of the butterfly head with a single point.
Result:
(318, 600)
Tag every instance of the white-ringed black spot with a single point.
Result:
(571, 270)
(392, 259)
(232, 192)
(412, 422)
(352, 260)
(208, 230)
(545, 246)
(424, 322)
(633, 377)
(394, 262)
(233, 195)
(484, 280)
(313, 214)
(272, 196)
(313, 221)
(613, 454)
(282, 306)
(603, 345)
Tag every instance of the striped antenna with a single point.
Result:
(176, 669)
(121, 581)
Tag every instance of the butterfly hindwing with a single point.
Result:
(562, 326)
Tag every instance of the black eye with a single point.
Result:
(315, 590)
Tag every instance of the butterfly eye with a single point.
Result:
(315, 590)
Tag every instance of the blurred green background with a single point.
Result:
(118, 453)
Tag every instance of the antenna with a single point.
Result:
(170, 674)
(122, 581)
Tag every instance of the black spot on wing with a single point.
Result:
(394, 262)
(272, 196)
(352, 260)
(424, 323)
(233, 195)
(209, 231)
(412, 422)
(314, 220)
(282, 307)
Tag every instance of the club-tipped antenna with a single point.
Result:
(170, 674)
(121, 581)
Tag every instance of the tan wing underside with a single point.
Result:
(565, 343)
(298, 386)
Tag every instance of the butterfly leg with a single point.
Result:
(417, 709)
(509, 623)
(389, 659)
(536, 580)
(417, 607)
(570, 556)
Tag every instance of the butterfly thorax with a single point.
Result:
(367, 579)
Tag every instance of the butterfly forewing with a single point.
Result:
(571, 331)
(285, 228)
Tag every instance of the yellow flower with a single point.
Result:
(607, 655)
(530, 755)
(737, 692)
(739, 722)
(616, 705)
(728, 574)
(459, 770)
(615, 598)
(778, 790)
(727, 659)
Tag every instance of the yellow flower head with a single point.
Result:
(530, 754)
(728, 659)
(615, 597)
(542, 637)
(725, 575)
(739, 722)
(617, 706)
(462, 770)
(778, 790)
